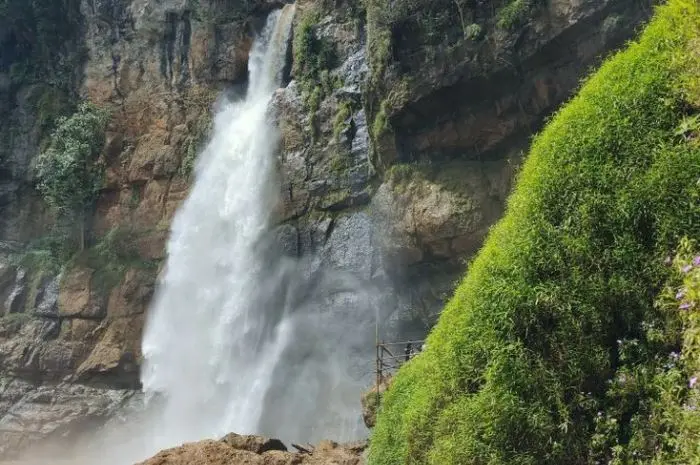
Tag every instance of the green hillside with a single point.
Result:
(559, 347)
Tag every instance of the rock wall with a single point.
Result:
(402, 129)
(420, 120)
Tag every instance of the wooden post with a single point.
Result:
(379, 367)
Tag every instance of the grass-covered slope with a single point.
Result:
(549, 351)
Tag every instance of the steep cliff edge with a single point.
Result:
(401, 130)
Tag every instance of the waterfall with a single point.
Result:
(204, 331)
(238, 338)
(241, 338)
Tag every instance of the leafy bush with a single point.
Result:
(312, 54)
(678, 407)
(665, 425)
(524, 366)
(473, 31)
(68, 173)
(514, 14)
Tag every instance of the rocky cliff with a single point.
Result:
(402, 125)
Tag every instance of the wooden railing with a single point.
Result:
(391, 355)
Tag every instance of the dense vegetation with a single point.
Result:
(561, 345)
(68, 172)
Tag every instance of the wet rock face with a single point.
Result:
(40, 349)
(16, 293)
(29, 412)
(416, 90)
(470, 87)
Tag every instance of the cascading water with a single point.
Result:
(238, 340)
(202, 344)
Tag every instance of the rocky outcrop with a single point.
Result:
(45, 340)
(371, 400)
(32, 412)
(397, 153)
(253, 450)
(448, 88)
(420, 120)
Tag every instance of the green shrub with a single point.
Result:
(524, 366)
(665, 425)
(677, 410)
(312, 54)
(473, 31)
(514, 14)
(68, 173)
(314, 57)
(341, 117)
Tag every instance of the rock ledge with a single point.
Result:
(235, 449)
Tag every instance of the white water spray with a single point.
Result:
(237, 341)
(201, 344)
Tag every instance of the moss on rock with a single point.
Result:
(524, 358)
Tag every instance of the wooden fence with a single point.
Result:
(391, 355)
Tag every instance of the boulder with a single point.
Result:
(77, 298)
(371, 400)
(235, 449)
(256, 444)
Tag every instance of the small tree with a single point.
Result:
(68, 173)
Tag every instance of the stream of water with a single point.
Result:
(237, 338)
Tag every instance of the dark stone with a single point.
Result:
(46, 304)
(256, 444)
(287, 237)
